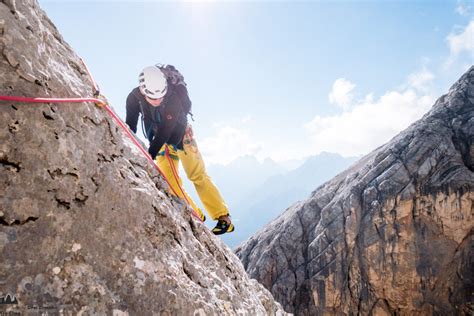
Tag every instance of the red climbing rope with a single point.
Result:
(103, 104)
(94, 83)
(50, 100)
(175, 173)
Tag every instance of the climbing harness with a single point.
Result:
(188, 139)
(101, 102)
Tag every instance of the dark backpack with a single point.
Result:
(175, 78)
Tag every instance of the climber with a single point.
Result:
(162, 101)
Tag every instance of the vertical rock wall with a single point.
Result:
(392, 235)
(86, 224)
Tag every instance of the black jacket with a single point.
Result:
(163, 124)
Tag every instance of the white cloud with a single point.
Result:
(227, 144)
(460, 42)
(421, 80)
(247, 119)
(371, 122)
(341, 93)
(463, 9)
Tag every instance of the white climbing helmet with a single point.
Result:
(152, 82)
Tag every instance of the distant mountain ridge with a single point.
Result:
(242, 176)
(257, 192)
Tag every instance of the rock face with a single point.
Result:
(392, 235)
(86, 223)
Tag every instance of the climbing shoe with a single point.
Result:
(223, 227)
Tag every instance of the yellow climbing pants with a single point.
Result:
(193, 165)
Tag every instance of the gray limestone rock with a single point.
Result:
(392, 235)
(87, 225)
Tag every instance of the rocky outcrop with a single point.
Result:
(87, 226)
(392, 235)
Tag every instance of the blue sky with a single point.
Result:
(280, 79)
